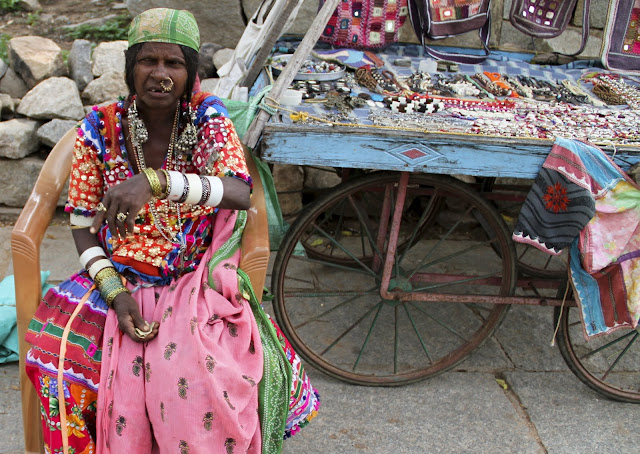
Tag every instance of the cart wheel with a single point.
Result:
(327, 274)
(607, 364)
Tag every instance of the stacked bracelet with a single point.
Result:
(194, 189)
(91, 253)
(154, 182)
(109, 281)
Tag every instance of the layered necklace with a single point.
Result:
(139, 135)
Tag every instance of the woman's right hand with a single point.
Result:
(129, 318)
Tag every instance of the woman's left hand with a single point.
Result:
(122, 203)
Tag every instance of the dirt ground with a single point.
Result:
(54, 16)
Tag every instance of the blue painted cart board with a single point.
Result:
(372, 148)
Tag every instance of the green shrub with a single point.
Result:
(4, 46)
(113, 30)
(8, 6)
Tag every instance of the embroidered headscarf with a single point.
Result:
(164, 25)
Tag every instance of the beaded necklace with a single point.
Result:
(139, 135)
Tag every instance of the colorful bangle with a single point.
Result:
(167, 189)
(105, 274)
(91, 253)
(154, 182)
(112, 294)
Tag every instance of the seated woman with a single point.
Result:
(162, 350)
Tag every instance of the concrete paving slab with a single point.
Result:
(452, 413)
(10, 409)
(570, 418)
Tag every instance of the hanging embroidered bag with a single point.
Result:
(621, 42)
(365, 24)
(436, 19)
(548, 18)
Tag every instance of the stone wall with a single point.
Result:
(41, 96)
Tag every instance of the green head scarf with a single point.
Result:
(164, 25)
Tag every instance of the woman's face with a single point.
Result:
(156, 63)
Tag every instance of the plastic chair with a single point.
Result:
(26, 238)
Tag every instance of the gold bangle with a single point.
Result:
(154, 182)
(113, 293)
(167, 188)
(104, 274)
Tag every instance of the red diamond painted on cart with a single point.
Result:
(414, 153)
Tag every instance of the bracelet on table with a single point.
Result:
(216, 191)
(165, 193)
(154, 182)
(98, 266)
(176, 187)
(91, 253)
(195, 189)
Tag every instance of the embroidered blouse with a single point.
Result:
(101, 161)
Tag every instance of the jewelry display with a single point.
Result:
(175, 185)
(216, 191)
(189, 137)
(121, 217)
(195, 189)
(137, 127)
(100, 207)
(154, 182)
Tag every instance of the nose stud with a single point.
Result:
(166, 84)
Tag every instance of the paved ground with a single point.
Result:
(544, 408)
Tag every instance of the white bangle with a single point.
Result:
(79, 220)
(195, 189)
(217, 191)
(177, 186)
(99, 266)
(91, 253)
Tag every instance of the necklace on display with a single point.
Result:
(139, 135)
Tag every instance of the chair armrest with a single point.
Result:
(26, 238)
(255, 238)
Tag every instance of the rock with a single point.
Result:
(7, 105)
(29, 5)
(93, 23)
(3, 68)
(118, 6)
(57, 97)
(18, 139)
(105, 88)
(221, 57)
(80, 63)
(320, 178)
(221, 23)
(209, 85)
(35, 59)
(598, 11)
(19, 177)
(51, 133)
(108, 57)
(206, 68)
(289, 181)
(12, 84)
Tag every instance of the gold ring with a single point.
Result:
(168, 88)
(121, 217)
(101, 207)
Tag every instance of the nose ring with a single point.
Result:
(168, 87)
